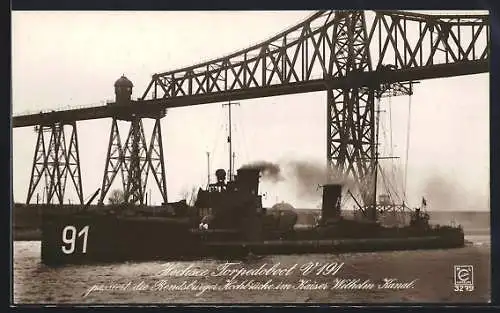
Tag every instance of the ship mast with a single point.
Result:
(390, 90)
(208, 169)
(230, 145)
(229, 141)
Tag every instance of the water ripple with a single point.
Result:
(36, 283)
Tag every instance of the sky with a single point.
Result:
(72, 59)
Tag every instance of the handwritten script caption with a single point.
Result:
(236, 276)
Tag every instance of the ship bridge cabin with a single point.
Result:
(231, 204)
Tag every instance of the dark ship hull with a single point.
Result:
(239, 225)
(87, 238)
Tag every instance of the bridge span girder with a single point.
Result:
(345, 53)
(360, 79)
(311, 51)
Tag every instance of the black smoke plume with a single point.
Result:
(307, 176)
(270, 171)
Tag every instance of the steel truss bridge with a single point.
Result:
(355, 56)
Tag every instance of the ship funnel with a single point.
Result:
(330, 209)
(248, 180)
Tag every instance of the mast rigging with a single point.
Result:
(407, 147)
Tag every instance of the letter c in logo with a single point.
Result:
(463, 274)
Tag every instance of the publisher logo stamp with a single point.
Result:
(463, 276)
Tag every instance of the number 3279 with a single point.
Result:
(461, 288)
(69, 235)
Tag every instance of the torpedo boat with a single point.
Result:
(228, 220)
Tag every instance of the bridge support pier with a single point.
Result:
(54, 161)
(351, 110)
(351, 138)
(133, 160)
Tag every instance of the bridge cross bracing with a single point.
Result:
(348, 54)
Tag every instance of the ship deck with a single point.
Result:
(318, 242)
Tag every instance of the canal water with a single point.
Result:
(380, 277)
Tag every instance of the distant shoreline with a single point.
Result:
(27, 220)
